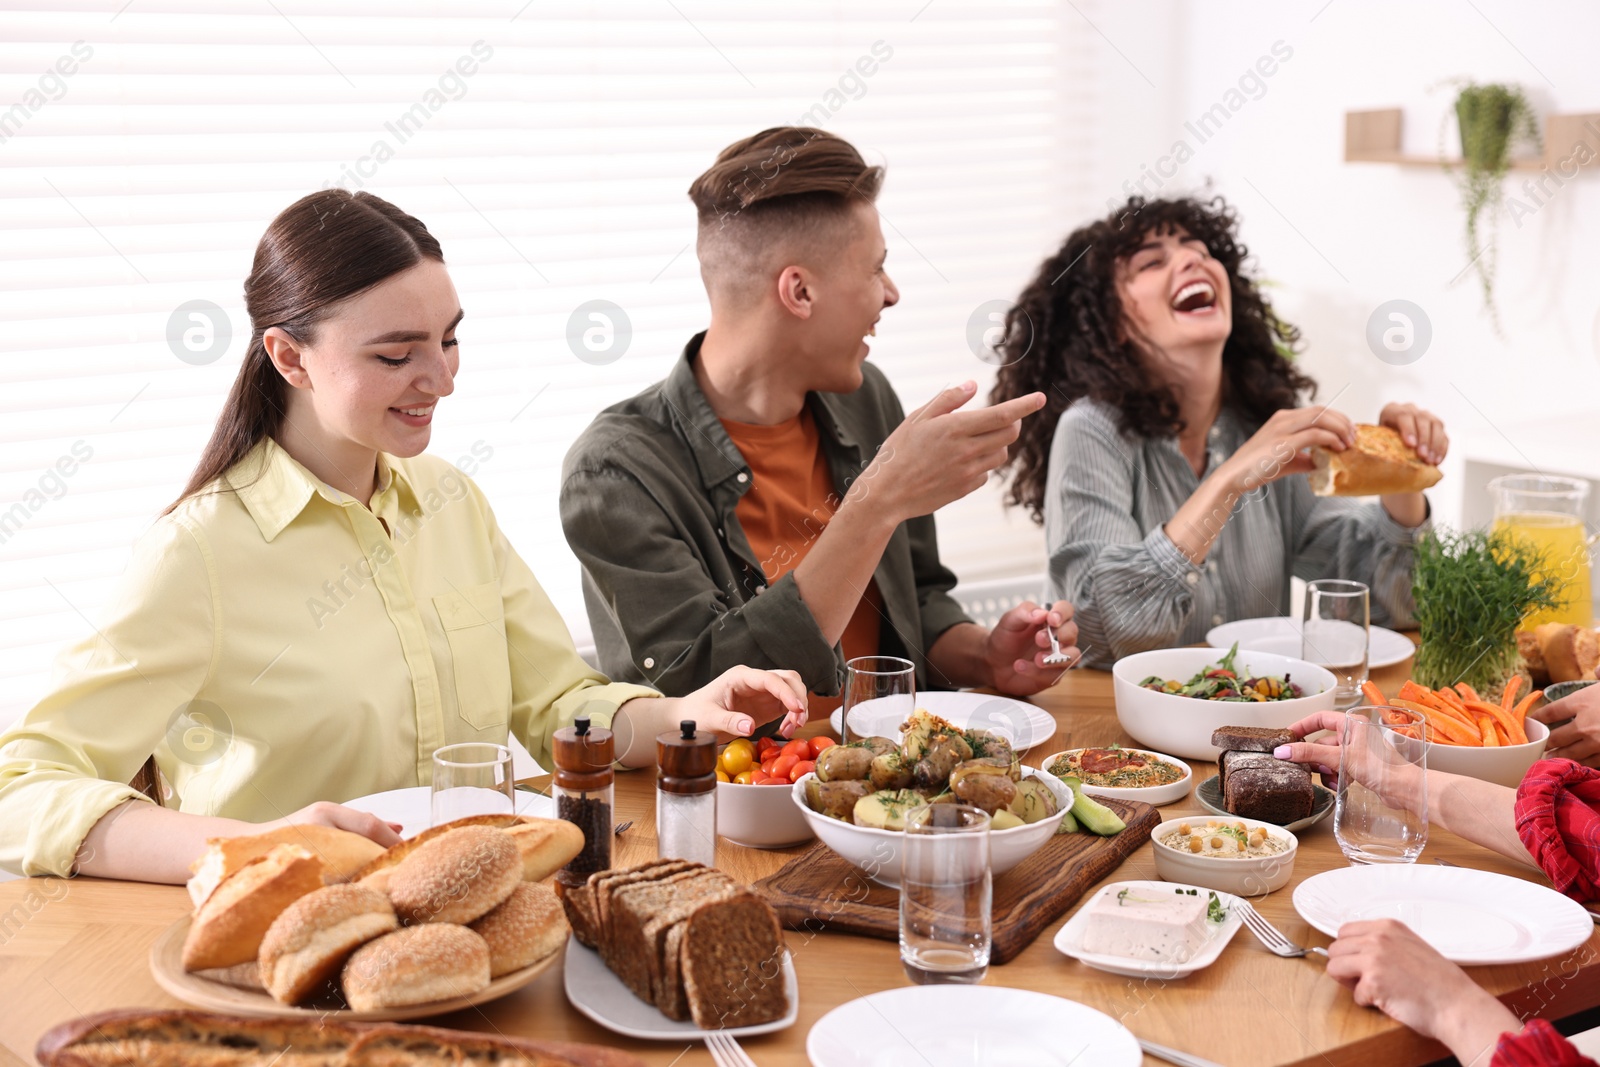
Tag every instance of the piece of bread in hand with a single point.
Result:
(342, 853)
(1571, 653)
(229, 927)
(1378, 463)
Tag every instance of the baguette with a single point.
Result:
(201, 1039)
(1378, 463)
(342, 853)
(230, 925)
(545, 845)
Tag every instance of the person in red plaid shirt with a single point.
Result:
(1552, 821)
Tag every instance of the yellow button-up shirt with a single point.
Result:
(275, 642)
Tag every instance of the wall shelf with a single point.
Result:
(1374, 137)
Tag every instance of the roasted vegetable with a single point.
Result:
(986, 745)
(1004, 820)
(890, 771)
(1034, 801)
(983, 785)
(837, 800)
(887, 809)
(877, 745)
(843, 763)
(944, 754)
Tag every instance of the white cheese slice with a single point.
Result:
(1146, 924)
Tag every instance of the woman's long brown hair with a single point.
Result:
(322, 249)
(1065, 337)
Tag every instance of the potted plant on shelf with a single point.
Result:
(1493, 119)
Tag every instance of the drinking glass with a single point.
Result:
(1548, 512)
(472, 779)
(1379, 813)
(1334, 632)
(889, 682)
(946, 894)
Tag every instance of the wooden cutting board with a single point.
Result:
(820, 890)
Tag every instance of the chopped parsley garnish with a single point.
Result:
(1215, 912)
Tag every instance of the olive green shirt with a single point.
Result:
(675, 594)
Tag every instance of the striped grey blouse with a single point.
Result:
(1108, 497)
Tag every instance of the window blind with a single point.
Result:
(145, 145)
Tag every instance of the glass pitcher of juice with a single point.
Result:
(1548, 512)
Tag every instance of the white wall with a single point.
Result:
(1337, 239)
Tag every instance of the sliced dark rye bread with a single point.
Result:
(668, 985)
(606, 882)
(1278, 792)
(582, 903)
(640, 916)
(1249, 738)
(1228, 762)
(731, 955)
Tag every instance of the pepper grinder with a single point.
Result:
(583, 785)
(686, 795)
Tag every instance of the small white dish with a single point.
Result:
(1024, 725)
(1280, 635)
(968, 1026)
(1209, 796)
(598, 993)
(1248, 876)
(1069, 939)
(759, 816)
(412, 807)
(1170, 793)
(1470, 917)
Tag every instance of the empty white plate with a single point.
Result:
(1019, 722)
(412, 807)
(596, 991)
(968, 1026)
(1281, 636)
(1470, 917)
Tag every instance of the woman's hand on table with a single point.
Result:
(1578, 740)
(1020, 641)
(1387, 966)
(326, 813)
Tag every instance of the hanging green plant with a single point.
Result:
(1493, 119)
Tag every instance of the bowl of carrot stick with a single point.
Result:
(1472, 734)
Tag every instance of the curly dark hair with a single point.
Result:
(1066, 337)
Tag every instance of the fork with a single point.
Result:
(1272, 937)
(622, 827)
(725, 1051)
(1056, 656)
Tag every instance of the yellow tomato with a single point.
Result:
(742, 778)
(722, 775)
(737, 757)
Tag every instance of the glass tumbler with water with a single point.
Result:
(1334, 634)
(884, 689)
(946, 894)
(1379, 813)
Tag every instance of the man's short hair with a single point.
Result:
(780, 194)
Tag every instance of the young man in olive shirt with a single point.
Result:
(792, 256)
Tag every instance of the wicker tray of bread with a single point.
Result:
(306, 922)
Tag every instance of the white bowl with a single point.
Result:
(1504, 765)
(759, 816)
(1183, 725)
(1170, 793)
(1249, 877)
(877, 852)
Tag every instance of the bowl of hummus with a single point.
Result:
(1241, 856)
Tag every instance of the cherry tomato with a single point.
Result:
(736, 757)
(744, 778)
(769, 763)
(722, 775)
(798, 749)
(820, 742)
(782, 766)
(765, 745)
(801, 769)
(776, 781)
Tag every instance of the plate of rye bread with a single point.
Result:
(315, 922)
(671, 950)
(1252, 783)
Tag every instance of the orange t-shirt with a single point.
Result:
(790, 500)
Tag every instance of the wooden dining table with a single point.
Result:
(68, 948)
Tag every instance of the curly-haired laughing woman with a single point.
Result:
(1165, 464)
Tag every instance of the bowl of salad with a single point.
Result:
(1171, 699)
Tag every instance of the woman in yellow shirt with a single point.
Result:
(325, 605)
